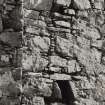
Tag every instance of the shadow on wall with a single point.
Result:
(67, 97)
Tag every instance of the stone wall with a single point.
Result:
(10, 52)
(52, 52)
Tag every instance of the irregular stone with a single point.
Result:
(16, 25)
(81, 4)
(32, 30)
(57, 76)
(31, 14)
(59, 29)
(5, 79)
(11, 38)
(63, 2)
(9, 101)
(42, 43)
(57, 61)
(38, 4)
(9, 7)
(103, 60)
(89, 60)
(89, 101)
(86, 84)
(73, 66)
(57, 103)
(99, 4)
(17, 74)
(83, 42)
(97, 44)
(1, 2)
(99, 19)
(60, 16)
(36, 23)
(14, 89)
(38, 86)
(88, 32)
(38, 101)
(102, 29)
(83, 14)
(5, 58)
(55, 69)
(44, 33)
(103, 45)
(27, 62)
(64, 47)
(69, 11)
(1, 24)
(73, 88)
(99, 91)
(97, 54)
(63, 24)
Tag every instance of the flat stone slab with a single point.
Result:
(38, 4)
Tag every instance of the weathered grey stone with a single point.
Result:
(99, 4)
(63, 2)
(38, 4)
(86, 84)
(63, 24)
(83, 14)
(31, 14)
(89, 101)
(99, 19)
(34, 62)
(74, 89)
(90, 60)
(1, 2)
(11, 38)
(59, 29)
(99, 91)
(83, 42)
(1, 24)
(60, 16)
(102, 30)
(27, 62)
(57, 61)
(97, 43)
(40, 86)
(42, 43)
(81, 4)
(64, 47)
(33, 30)
(57, 76)
(38, 101)
(5, 79)
(88, 32)
(103, 60)
(73, 66)
(70, 11)
(36, 23)
(57, 103)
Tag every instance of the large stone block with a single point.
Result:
(42, 43)
(99, 4)
(63, 2)
(11, 38)
(82, 4)
(64, 47)
(38, 4)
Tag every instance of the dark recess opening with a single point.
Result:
(66, 92)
